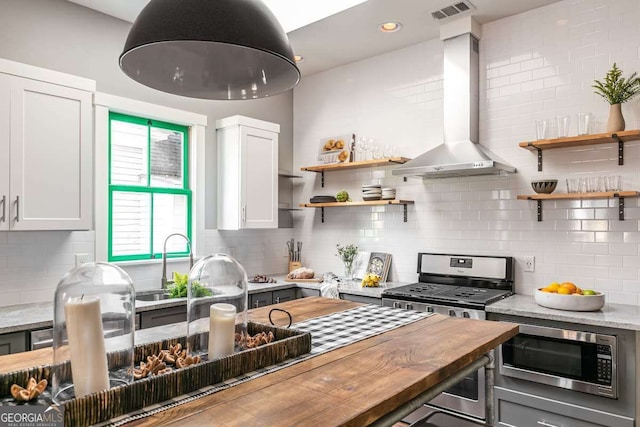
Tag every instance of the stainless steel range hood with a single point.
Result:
(460, 154)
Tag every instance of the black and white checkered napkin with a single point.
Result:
(328, 333)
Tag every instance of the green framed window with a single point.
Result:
(149, 195)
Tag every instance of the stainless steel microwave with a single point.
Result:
(574, 360)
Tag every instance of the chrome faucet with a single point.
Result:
(164, 257)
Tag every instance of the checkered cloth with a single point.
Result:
(327, 333)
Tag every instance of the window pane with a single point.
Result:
(131, 216)
(166, 158)
(128, 153)
(169, 216)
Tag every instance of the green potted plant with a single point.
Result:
(617, 90)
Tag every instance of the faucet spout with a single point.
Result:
(164, 256)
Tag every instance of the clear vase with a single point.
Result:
(348, 272)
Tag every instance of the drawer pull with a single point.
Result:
(4, 208)
(17, 208)
(542, 423)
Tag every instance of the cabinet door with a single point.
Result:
(514, 408)
(283, 295)
(5, 108)
(259, 189)
(163, 316)
(51, 150)
(360, 298)
(13, 343)
(260, 299)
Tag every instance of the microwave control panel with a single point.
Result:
(604, 364)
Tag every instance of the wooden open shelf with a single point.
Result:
(354, 165)
(583, 140)
(620, 195)
(362, 203)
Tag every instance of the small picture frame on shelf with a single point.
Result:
(335, 149)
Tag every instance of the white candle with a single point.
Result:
(86, 345)
(222, 330)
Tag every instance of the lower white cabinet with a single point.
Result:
(247, 173)
(515, 408)
(362, 299)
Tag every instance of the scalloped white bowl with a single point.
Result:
(570, 302)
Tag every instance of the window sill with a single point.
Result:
(158, 261)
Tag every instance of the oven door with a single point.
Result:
(574, 360)
(466, 397)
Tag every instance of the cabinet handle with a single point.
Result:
(257, 304)
(17, 208)
(542, 423)
(4, 208)
(277, 300)
(244, 213)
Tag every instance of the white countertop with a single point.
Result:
(618, 316)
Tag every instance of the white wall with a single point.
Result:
(66, 37)
(533, 66)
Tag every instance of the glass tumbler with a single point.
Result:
(563, 125)
(542, 129)
(614, 183)
(585, 123)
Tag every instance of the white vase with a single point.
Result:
(616, 121)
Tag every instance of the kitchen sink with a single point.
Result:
(153, 296)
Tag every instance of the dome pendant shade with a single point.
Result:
(211, 49)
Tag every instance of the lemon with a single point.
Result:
(564, 290)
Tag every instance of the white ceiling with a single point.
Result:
(352, 34)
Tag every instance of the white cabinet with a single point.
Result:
(247, 173)
(46, 128)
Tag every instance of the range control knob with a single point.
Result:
(396, 304)
(409, 306)
(429, 309)
(452, 312)
(466, 314)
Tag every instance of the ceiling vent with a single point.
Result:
(451, 10)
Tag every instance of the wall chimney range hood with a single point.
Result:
(460, 154)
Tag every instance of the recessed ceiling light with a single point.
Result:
(298, 58)
(390, 27)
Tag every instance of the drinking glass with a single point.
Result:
(542, 129)
(573, 185)
(585, 122)
(614, 183)
(364, 146)
(592, 184)
(372, 147)
(386, 152)
(563, 126)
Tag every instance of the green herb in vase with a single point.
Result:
(348, 255)
(617, 90)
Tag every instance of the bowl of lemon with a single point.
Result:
(568, 296)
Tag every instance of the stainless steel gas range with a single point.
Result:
(459, 286)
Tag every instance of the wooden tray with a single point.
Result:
(107, 404)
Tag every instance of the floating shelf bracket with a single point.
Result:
(405, 213)
(539, 210)
(322, 215)
(620, 149)
(621, 208)
(539, 160)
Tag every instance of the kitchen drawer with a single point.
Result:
(360, 298)
(260, 299)
(163, 316)
(305, 292)
(283, 295)
(15, 342)
(514, 408)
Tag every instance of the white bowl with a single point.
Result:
(570, 302)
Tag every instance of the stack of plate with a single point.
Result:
(371, 192)
(388, 193)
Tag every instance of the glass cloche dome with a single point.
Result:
(216, 307)
(93, 331)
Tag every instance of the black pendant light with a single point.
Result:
(211, 49)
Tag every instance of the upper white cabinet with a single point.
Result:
(247, 173)
(46, 131)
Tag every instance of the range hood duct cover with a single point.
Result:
(460, 154)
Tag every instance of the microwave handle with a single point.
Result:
(545, 424)
(565, 334)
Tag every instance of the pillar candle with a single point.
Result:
(222, 329)
(86, 345)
